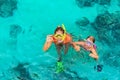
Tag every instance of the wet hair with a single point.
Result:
(59, 28)
(93, 39)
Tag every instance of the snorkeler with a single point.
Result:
(60, 38)
(88, 45)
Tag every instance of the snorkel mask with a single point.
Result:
(90, 43)
(61, 37)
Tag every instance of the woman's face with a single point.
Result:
(59, 32)
(90, 39)
(59, 36)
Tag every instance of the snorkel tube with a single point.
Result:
(64, 35)
(63, 28)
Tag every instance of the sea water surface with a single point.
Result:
(24, 25)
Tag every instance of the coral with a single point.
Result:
(104, 20)
(112, 59)
(103, 2)
(82, 22)
(15, 30)
(23, 72)
(84, 3)
(118, 2)
(107, 26)
(89, 3)
(7, 7)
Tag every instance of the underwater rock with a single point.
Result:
(82, 22)
(107, 19)
(84, 3)
(118, 3)
(116, 16)
(68, 74)
(112, 59)
(15, 30)
(23, 71)
(7, 7)
(107, 26)
(102, 9)
(89, 3)
(103, 2)
(116, 28)
(116, 33)
(104, 20)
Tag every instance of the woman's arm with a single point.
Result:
(48, 43)
(81, 43)
(76, 45)
(94, 54)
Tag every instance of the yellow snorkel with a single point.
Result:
(63, 28)
(62, 36)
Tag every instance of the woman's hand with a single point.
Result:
(49, 38)
(48, 42)
(77, 48)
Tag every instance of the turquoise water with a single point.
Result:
(22, 36)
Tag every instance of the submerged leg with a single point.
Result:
(58, 47)
(66, 48)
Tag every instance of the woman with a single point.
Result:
(88, 45)
(60, 38)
